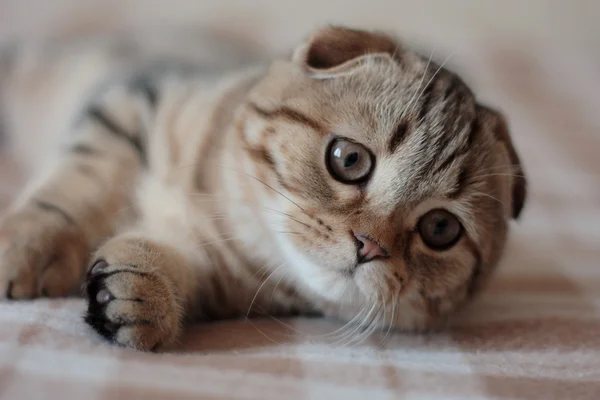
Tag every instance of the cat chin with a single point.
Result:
(333, 286)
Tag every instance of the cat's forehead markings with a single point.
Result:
(288, 114)
(399, 135)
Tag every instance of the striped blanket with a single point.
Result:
(534, 334)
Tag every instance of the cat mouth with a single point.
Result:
(353, 269)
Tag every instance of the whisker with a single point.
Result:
(346, 325)
(369, 330)
(249, 176)
(491, 197)
(264, 183)
(435, 74)
(286, 215)
(220, 241)
(262, 333)
(290, 327)
(296, 331)
(498, 174)
(260, 287)
(414, 96)
(384, 315)
(264, 270)
(276, 212)
(277, 284)
(358, 327)
(391, 323)
(365, 326)
(504, 166)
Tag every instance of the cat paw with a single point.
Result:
(130, 302)
(42, 253)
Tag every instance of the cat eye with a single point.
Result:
(439, 229)
(349, 162)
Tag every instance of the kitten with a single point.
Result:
(354, 179)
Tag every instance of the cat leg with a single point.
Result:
(76, 202)
(140, 290)
(143, 288)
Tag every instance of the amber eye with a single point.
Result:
(440, 229)
(349, 162)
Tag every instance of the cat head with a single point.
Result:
(396, 185)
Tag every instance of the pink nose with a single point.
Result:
(368, 249)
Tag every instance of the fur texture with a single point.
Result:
(190, 197)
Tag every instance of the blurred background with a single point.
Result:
(280, 23)
(537, 61)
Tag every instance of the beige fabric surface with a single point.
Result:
(534, 334)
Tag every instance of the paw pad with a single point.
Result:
(104, 296)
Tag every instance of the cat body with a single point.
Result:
(355, 179)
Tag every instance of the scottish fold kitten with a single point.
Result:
(353, 179)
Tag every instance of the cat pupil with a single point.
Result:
(440, 227)
(351, 160)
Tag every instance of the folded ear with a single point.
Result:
(499, 127)
(334, 50)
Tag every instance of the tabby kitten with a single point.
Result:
(355, 179)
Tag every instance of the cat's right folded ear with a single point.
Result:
(336, 50)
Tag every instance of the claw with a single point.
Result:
(104, 296)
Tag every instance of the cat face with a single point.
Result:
(397, 184)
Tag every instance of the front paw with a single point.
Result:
(42, 252)
(132, 305)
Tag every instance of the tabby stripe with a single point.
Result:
(461, 183)
(261, 156)
(399, 135)
(149, 91)
(460, 150)
(124, 271)
(222, 115)
(454, 84)
(290, 115)
(84, 150)
(407, 248)
(258, 154)
(472, 286)
(448, 160)
(219, 293)
(443, 142)
(283, 184)
(111, 126)
(455, 153)
(49, 207)
(433, 306)
(473, 131)
(427, 98)
(9, 290)
(88, 171)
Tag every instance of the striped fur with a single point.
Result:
(190, 197)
